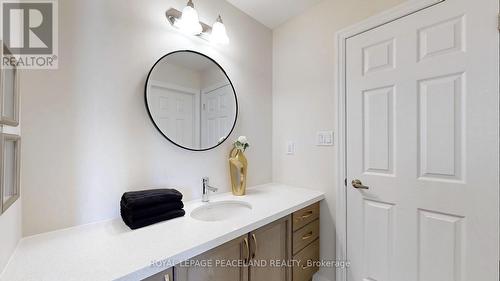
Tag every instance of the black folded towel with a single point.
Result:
(139, 199)
(151, 211)
(135, 224)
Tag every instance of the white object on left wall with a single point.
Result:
(11, 218)
(10, 138)
(10, 170)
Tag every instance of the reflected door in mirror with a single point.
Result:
(175, 110)
(217, 115)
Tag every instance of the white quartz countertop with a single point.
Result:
(110, 250)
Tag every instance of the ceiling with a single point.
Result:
(273, 13)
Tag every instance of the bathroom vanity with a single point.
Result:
(289, 247)
(281, 224)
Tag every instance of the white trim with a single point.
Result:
(170, 86)
(214, 87)
(340, 75)
(387, 16)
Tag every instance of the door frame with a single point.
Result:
(341, 38)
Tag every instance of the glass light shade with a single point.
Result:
(189, 23)
(219, 34)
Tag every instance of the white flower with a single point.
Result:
(242, 143)
(243, 140)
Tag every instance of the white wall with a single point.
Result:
(10, 232)
(86, 134)
(303, 100)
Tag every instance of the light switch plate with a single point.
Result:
(324, 138)
(290, 148)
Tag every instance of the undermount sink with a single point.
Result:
(222, 210)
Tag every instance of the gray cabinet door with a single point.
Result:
(272, 243)
(198, 268)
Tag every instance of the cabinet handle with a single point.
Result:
(254, 238)
(306, 215)
(307, 236)
(167, 277)
(247, 249)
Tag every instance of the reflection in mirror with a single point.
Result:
(191, 100)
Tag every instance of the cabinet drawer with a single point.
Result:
(305, 216)
(305, 236)
(167, 275)
(303, 272)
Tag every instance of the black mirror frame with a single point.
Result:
(151, 115)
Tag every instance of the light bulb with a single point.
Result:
(189, 22)
(219, 34)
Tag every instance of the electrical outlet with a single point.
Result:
(324, 138)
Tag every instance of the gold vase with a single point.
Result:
(238, 169)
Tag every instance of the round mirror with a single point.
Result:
(191, 100)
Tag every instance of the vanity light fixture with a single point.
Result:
(188, 22)
(219, 34)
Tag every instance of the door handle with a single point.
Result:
(359, 185)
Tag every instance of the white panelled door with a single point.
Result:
(422, 135)
(175, 110)
(218, 109)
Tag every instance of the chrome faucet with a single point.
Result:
(206, 189)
